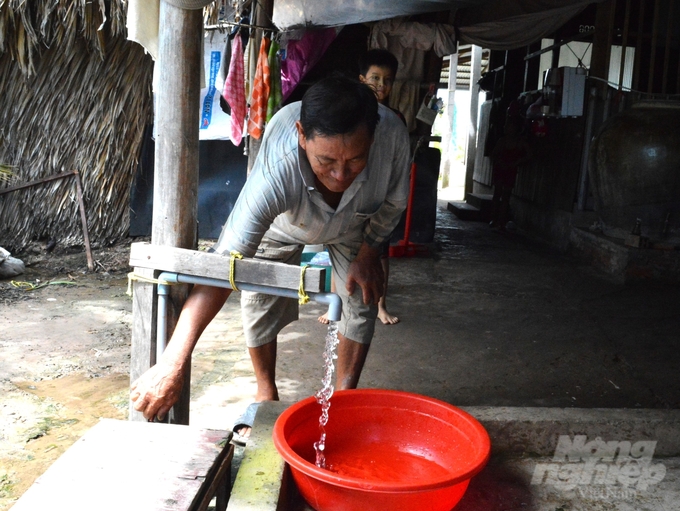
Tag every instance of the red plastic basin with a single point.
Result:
(387, 450)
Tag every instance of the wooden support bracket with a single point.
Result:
(207, 264)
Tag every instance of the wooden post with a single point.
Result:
(143, 349)
(175, 201)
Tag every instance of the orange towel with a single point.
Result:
(260, 95)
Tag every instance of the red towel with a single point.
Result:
(260, 95)
(234, 90)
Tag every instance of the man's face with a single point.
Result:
(380, 79)
(336, 160)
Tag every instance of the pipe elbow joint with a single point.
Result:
(334, 303)
(164, 281)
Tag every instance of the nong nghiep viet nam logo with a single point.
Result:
(601, 467)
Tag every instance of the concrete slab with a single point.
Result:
(260, 483)
(548, 459)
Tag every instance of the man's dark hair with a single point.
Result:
(380, 58)
(338, 106)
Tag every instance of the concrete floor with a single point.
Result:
(501, 320)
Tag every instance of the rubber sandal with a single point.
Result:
(244, 421)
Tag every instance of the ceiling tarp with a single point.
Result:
(493, 24)
(507, 25)
(290, 14)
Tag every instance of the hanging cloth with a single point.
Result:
(234, 91)
(302, 55)
(275, 96)
(260, 92)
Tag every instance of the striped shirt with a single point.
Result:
(280, 197)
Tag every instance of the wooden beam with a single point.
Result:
(206, 264)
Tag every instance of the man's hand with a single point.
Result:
(366, 271)
(157, 390)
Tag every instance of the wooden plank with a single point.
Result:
(131, 465)
(143, 349)
(205, 264)
(219, 478)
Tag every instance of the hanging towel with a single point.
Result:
(234, 91)
(260, 93)
(275, 96)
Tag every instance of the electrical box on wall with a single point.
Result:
(564, 89)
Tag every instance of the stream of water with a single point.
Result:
(323, 396)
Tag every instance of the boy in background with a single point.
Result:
(377, 69)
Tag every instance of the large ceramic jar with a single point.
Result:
(635, 170)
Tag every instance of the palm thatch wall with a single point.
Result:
(74, 95)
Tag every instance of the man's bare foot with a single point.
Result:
(386, 317)
(324, 319)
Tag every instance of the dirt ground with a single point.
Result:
(65, 351)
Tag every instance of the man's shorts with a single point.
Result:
(264, 316)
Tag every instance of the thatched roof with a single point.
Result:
(74, 95)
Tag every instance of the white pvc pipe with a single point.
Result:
(333, 301)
